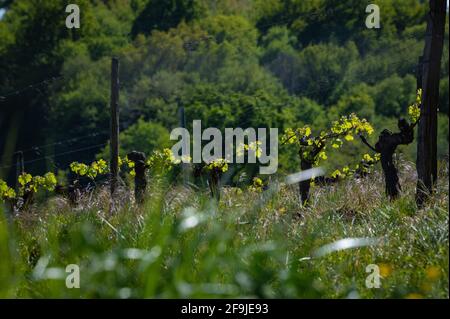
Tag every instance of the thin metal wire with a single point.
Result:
(58, 154)
(34, 86)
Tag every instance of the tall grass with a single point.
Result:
(180, 244)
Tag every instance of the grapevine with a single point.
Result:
(28, 185)
(216, 168)
(388, 142)
(312, 149)
(255, 147)
(164, 161)
(99, 167)
(360, 169)
(414, 109)
(6, 192)
(31, 184)
(257, 185)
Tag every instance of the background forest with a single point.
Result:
(230, 63)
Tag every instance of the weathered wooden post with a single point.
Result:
(140, 182)
(20, 167)
(427, 135)
(114, 125)
(184, 166)
(419, 73)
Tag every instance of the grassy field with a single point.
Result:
(180, 244)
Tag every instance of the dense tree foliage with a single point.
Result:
(230, 63)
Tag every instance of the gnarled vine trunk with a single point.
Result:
(386, 146)
(214, 185)
(140, 181)
(304, 186)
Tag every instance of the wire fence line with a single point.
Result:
(57, 155)
(63, 142)
(34, 86)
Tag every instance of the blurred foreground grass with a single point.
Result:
(180, 244)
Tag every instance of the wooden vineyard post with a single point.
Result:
(419, 73)
(20, 167)
(184, 166)
(114, 125)
(427, 134)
